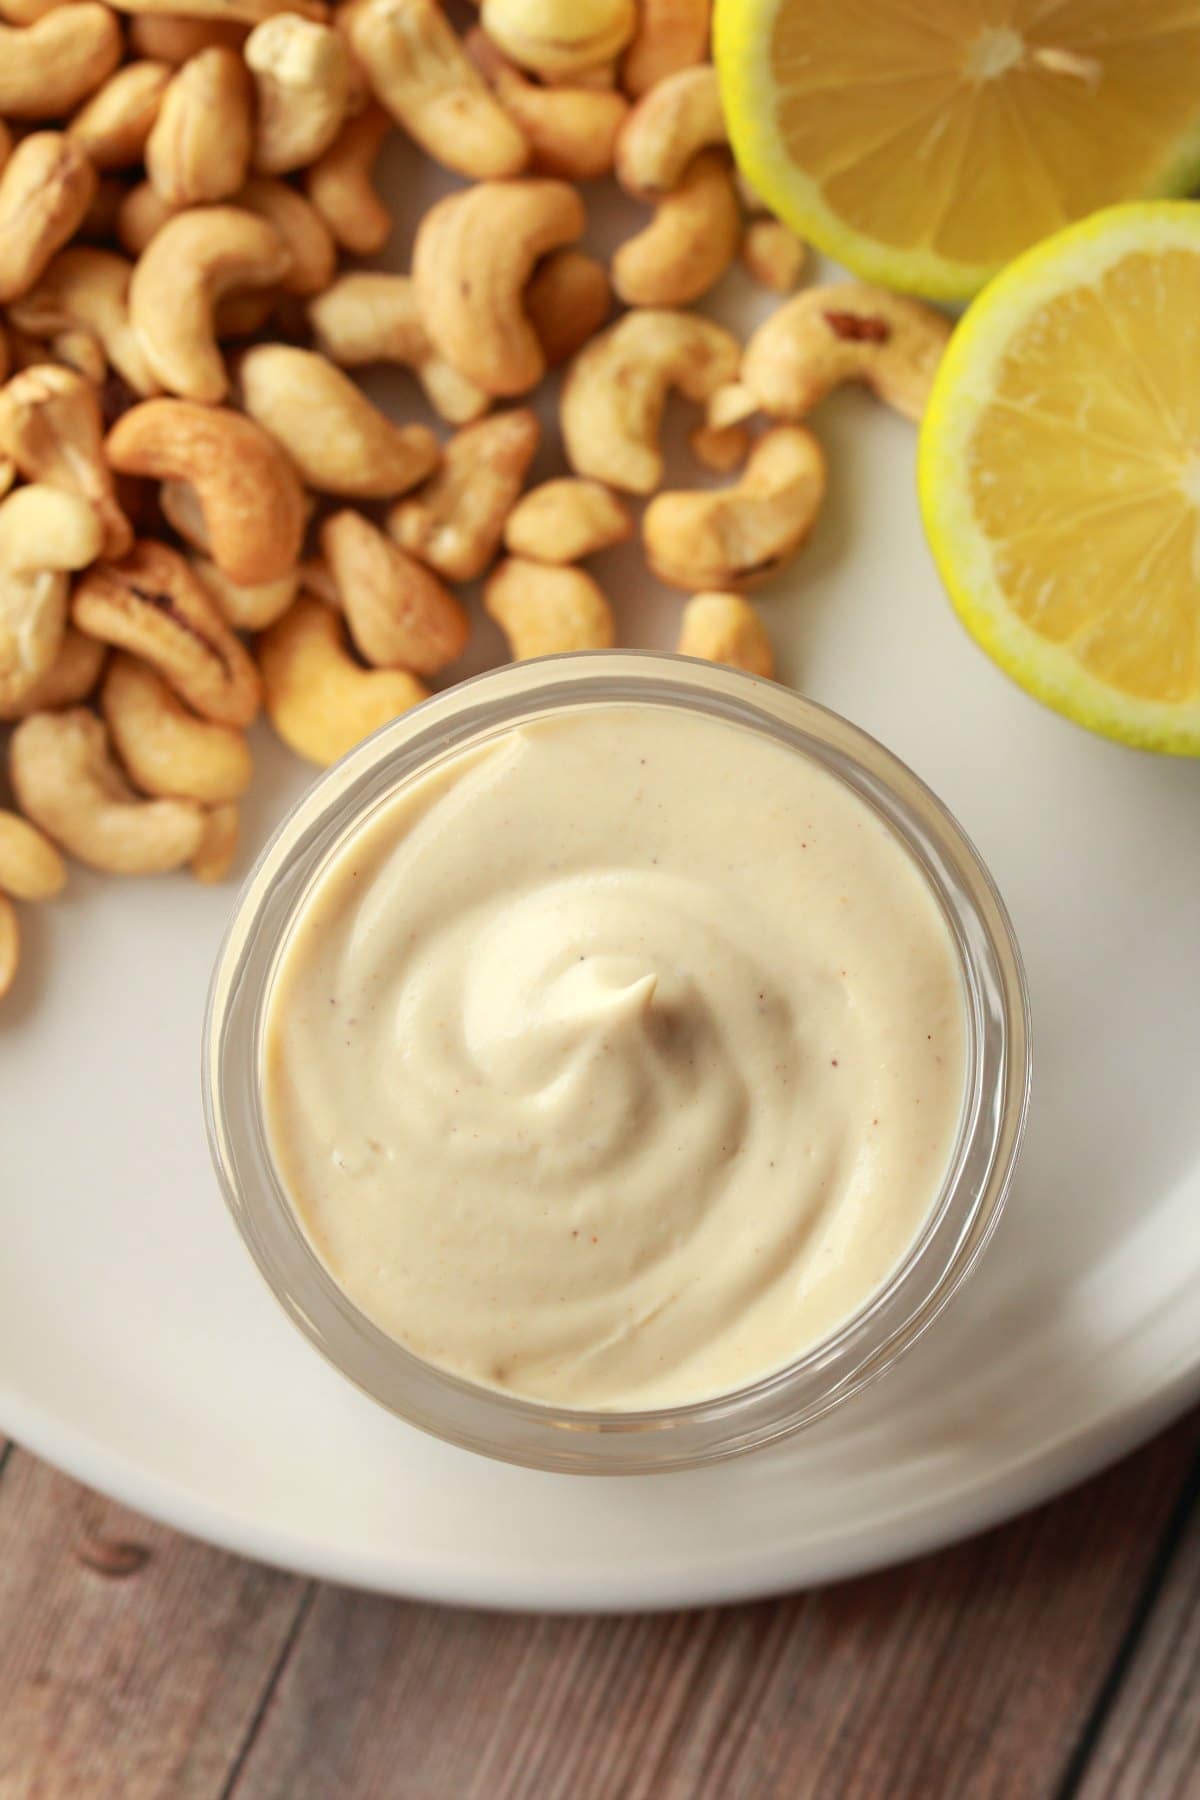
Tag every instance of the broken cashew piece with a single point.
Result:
(564, 520)
(543, 608)
(46, 187)
(246, 608)
(339, 184)
(70, 678)
(572, 131)
(399, 613)
(559, 37)
(367, 316)
(30, 865)
(319, 699)
(218, 846)
(114, 124)
(667, 130)
(44, 532)
(726, 628)
(737, 537)
(50, 425)
(616, 390)
(88, 288)
(691, 241)
(671, 35)
(772, 255)
(199, 147)
(568, 298)
(472, 256)
(846, 331)
(301, 74)
(455, 523)
(167, 749)
(50, 65)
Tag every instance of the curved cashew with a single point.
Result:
(30, 865)
(141, 215)
(152, 604)
(218, 847)
(167, 749)
(48, 67)
(199, 147)
(616, 389)
(50, 425)
(572, 131)
(726, 628)
(66, 780)
(43, 532)
(557, 39)
(46, 187)
(89, 288)
(667, 129)
(567, 300)
(454, 524)
(739, 536)
(115, 123)
(368, 316)
(419, 71)
(301, 77)
(565, 520)
(472, 256)
(246, 608)
(543, 608)
(400, 616)
(250, 498)
(340, 443)
(846, 331)
(303, 230)
(772, 255)
(339, 184)
(671, 35)
(10, 944)
(70, 678)
(320, 701)
(689, 244)
(176, 38)
(194, 259)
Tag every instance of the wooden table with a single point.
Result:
(1058, 1656)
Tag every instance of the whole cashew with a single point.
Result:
(49, 66)
(564, 520)
(455, 523)
(301, 74)
(10, 944)
(339, 184)
(739, 536)
(671, 35)
(70, 678)
(152, 604)
(30, 866)
(246, 608)
(175, 39)
(141, 215)
(194, 259)
(167, 749)
(419, 71)
(667, 129)
(303, 230)
(114, 124)
(46, 187)
(354, 449)
(218, 846)
(320, 701)
(367, 316)
(572, 131)
(772, 255)
(567, 300)
(400, 615)
(616, 390)
(43, 533)
(558, 39)
(89, 289)
(472, 256)
(726, 628)
(691, 241)
(50, 425)
(543, 608)
(66, 780)
(720, 447)
(199, 147)
(845, 332)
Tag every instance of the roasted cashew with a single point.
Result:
(199, 147)
(66, 780)
(847, 331)
(689, 244)
(367, 316)
(218, 846)
(88, 288)
(50, 425)
(667, 129)
(419, 71)
(543, 608)
(339, 184)
(46, 187)
(773, 256)
(455, 523)
(48, 67)
(319, 699)
(70, 678)
(400, 615)
(167, 749)
(671, 35)
(726, 628)
(559, 37)
(301, 77)
(246, 608)
(565, 520)
(141, 215)
(43, 533)
(303, 230)
(572, 131)
(739, 536)
(472, 256)
(339, 442)
(567, 300)
(616, 389)
(194, 259)
(10, 944)
(176, 38)
(30, 865)
(151, 604)
(114, 124)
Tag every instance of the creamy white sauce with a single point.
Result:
(618, 1062)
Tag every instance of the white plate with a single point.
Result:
(140, 1351)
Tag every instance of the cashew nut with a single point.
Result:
(43, 532)
(454, 524)
(218, 846)
(845, 332)
(49, 66)
(726, 628)
(301, 74)
(689, 244)
(66, 780)
(246, 608)
(720, 447)
(175, 39)
(738, 536)
(194, 259)
(616, 390)
(30, 866)
(567, 300)
(50, 425)
(70, 678)
(543, 608)
(338, 441)
(367, 316)
(400, 616)
(303, 230)
(421, 74)
(556, 38)
(667, 129)
(141, 215)
(671, 35)
(10, 944)
(339, 184)
(572, 131)
(167, 749)
(472, 256)
(115, 123)
(565, 520)
(70, 348)
(773, 256)
(46, 187)
(199, 147)
(89, 288)
(318, 698)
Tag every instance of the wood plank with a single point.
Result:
(971, 1674)
(132, 1660)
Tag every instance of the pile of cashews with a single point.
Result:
(203, 515)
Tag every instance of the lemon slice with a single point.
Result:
(924, 143)
(1060, 473)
